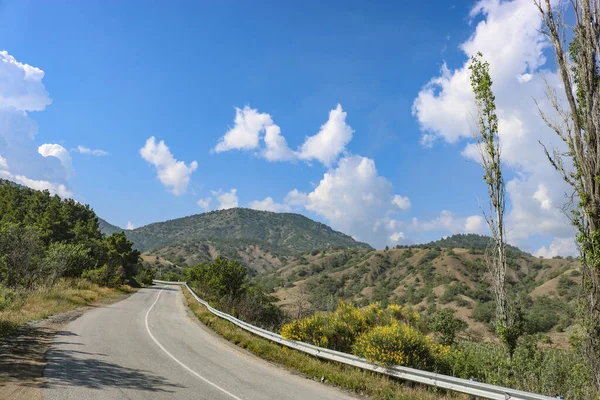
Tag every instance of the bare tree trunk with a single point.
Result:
(579, 127)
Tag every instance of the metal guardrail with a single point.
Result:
(470, 387)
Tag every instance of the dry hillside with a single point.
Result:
(430, 278)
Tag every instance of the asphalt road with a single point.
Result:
(148, 347)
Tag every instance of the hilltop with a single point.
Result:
(262, 240)
(429, 279)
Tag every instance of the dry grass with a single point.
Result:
(352, 379)
(17, 308)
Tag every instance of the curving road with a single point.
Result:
(148, 347)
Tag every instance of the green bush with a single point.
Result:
(145, 276)
(446, 325)
(484, 312)
(106, 275)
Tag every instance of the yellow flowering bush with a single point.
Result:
(337, 330)
(397, 344)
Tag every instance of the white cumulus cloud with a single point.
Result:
(330, 141)
(352, 198)
(475, 224)
(558, 247)
(402, 202)
(59, 152)
(3, 163)
(204, 203)
(130, 225)
(22, 92)
(226, 199)
(510, 38)
(53, 188)
(251, 126)
(173, 174)
(245, 134)
(397, 237)
(268, 204)
(93, 152)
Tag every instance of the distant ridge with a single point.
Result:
(463, 241)
(258, 238)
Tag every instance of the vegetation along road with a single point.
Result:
(147, 347)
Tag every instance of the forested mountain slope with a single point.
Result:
(428, 279)
(260, 239)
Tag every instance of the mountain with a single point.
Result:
(429, 279)
(464, 241)
(107, 228)
(260, 239)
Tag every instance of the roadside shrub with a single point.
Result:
(397, 344)
(145, 276)
(446, 325)
(337, 330)
(106, 275)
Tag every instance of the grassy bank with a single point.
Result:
(346, 377)
(19, 307)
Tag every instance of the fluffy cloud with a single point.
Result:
(130, 225)
(3, 163)
(226, 199)
(53, 188)
(397, 237)
(268, 204)
(173, 174)
(21, 85)
(22, 92)
(354, 199)
(276, 145)
(558, 247)
(93, 152)
(296, 198)
(330, 141)
(204, 203)
(250, 124)
(510, 38)
(245, 134)
(402, 202)
(475, 224)
(59, 152)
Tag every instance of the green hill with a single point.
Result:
(107, 228)
(260, 239)
(463, 241)
(429, 279)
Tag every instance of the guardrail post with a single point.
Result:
(472, 397)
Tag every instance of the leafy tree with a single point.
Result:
(64, 259)
(21, 250)
(487, 139)
(578, 127)
(446, 325)
(120, 253)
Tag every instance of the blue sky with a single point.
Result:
(120, 73)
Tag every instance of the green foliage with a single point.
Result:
(145, 276)
(567, 288)
(224, 283)
(107, 275)
(281, 233)
(446, 325)
(43, 238)
(21, 251)
(66, 259)
(466, 241)
(120, 253)
(484, 312)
